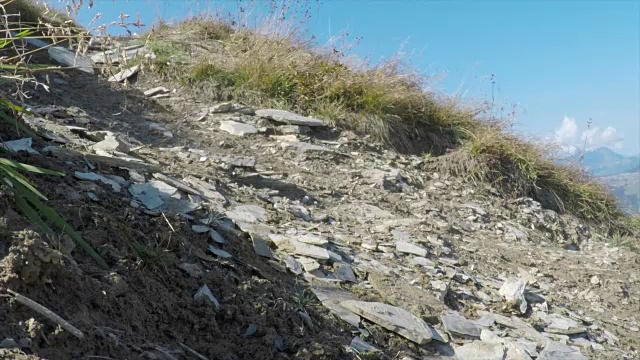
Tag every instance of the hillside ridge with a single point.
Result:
(234, 224)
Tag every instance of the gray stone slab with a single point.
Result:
(289, 117)
(238, 128)
(393, 319)
(479, 350)
(456, 324)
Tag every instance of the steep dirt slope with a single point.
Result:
(283, 224)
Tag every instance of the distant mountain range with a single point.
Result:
(606, 162)
(620, 173)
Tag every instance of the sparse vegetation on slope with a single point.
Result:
(388, 101)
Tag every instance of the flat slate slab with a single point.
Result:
(409, 248)
(237, 128)
(332, 296)
(457, 324)
(289, 117)
(479, 350)
(71, 59)
(393, 319)
(309, 250)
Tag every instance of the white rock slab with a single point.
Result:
(238, 128)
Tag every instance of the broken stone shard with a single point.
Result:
(479, 350)
(456, 324)
(513, 292)
(156, 91)
(219, 252)
(361, 346)
(205, 295)
(97, 177)
(332, 297)
(408, 248)
(311, 251)
(293, 265)
(393, 319)
(261, 247)
(558, 351)
(19, 145)
(237, 128)
(125, 74)
(289, 117)
(71, 59)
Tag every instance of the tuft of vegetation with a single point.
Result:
(14, 67)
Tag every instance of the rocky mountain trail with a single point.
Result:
(236, 232)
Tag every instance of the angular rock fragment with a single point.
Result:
(71, 59)
(331, 296)
(156, 90)
(237, 128)
(393, 319)
(97, 177)
(344, 272)
(205, 295)
(293, 265)
(125, 74)
(261, 247)
(458, 325)
(513, 292)
(361, 346)
(289, 118)
(249, 213)
(308, 250)
(408, 248)
(479, 350)
(18, 145)
(219, 252)
(558, 351)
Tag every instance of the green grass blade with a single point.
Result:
(31, 214)
(11, 121)
(52, 216)
(30, 168)
(14, 175)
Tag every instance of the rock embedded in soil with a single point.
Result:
(215, 236)
(513, 292)
(125, 74)
(293, 265)
(71, 59)
(393, 319)
(237, 128)
(332, 296)
(219, 252)
(261, 247)
(97, 177)
(456, 324)
(289, 118)
(311, 251)
(361, 346)
(558, 351)
(344, 272)
(204, 294)
(156, 90)
(408, 248)
(479, 350)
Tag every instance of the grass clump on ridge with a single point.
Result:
(388, 101)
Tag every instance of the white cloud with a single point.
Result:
(595, 137)
(566, 137)
(568, 131)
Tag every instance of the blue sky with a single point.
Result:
(562, 62)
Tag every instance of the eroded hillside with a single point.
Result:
(235, 231)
